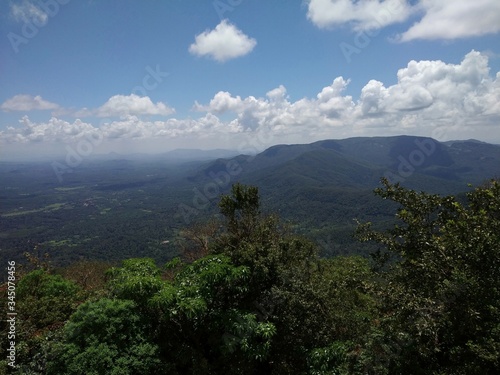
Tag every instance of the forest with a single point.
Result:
(249, 295)
(115, 207)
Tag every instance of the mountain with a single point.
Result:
(417, 162)
(327, 184)
(127, 206)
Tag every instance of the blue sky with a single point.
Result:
(150, 76)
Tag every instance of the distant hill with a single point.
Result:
(417, 162)
(122, 206)
(327, 184)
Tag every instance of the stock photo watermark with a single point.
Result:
(416, 158)
(407, 165)
(150, 81)
(224, 6)
(363, 38)
(222, 179)
(76, 154)
(11, 314)
(34, 18)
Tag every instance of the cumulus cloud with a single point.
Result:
(27, 103)
(223, 43)
(53, 130)
(276, 112)
(362, 14)
(116, 106)
(445, 19)
(439, 19)
(432, 98)
(124, 105)
(28, 12)
(129, 127)
(428, 95)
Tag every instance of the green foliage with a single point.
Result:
(40, 284)
(346, 288)
(204, 324)
(258, 299)
(106, 337)
(442, 294)
(286, 285)
(241, 209)
(136, 280)
(252, 337)
(207, 283)
(330, 360)
(44, 302)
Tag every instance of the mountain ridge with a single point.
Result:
(405, 159)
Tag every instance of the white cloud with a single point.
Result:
(223, 43)
(432, 98)
(28, 12)
(53, 130)
(361, 14)
(116, 106)
(221, 102)
(27, 103)
(124, 105)
(439, 19)
(444, 19)
(428, 95)
(459, 99)
(129, 127)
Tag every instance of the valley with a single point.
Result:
(117, 207)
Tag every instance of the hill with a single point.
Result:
(323, 186)
(126, 206)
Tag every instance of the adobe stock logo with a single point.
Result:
(363, 38)
(150, 81)
(223, 6)
(416, 158)
(203, 197)
(76, 154)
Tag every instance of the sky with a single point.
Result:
(135, 76)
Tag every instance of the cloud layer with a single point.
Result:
(223, 43)
(27, 103)
(434, 98)
(438, 19)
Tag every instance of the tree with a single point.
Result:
(283, 279)
(137, 280)
(204, 326)
(45, 299)
(441, 296)
(89, 275)
(44, 302)
(106, 337)
(241, 209)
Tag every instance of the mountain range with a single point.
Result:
(416, 162)
(327, 184)
(122, 206)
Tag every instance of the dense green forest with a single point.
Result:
(114, 207)
(248, 295)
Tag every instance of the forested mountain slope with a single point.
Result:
(121, 206)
